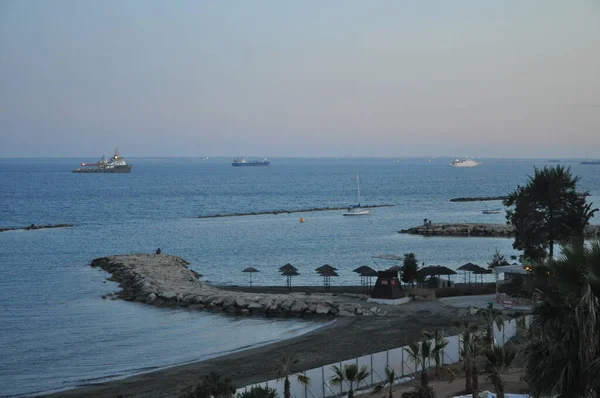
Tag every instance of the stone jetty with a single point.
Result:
(478, 230)
(275, 212)
(34, 227)
(166, 281)
(478, 199)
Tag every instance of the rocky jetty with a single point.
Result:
(275, 212)
(478, 230)
(478, 199)
(165, 280)
(33, 227)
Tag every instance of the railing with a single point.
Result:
(396, 358)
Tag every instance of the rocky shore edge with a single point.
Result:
(275, 212)
(479, 230)
(34, 227)
(166, 281)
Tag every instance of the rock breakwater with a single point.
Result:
(34, 227)
(479, 230)
(478, 199)
(165, 280)
(275, 212)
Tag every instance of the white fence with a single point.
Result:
(396, 358)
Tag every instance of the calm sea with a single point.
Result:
(56, 332)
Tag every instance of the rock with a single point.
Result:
(473, 310)
(345, 313)
(188, 298)
(298, 307)
(168, 295)
(216, 300)
(245, 311)
(228, 302)
(240, 302)
(322, 309)
(255, 306)
(196, 306)
(287, 304)
(308, 312)
(198, 300)
(373, 310)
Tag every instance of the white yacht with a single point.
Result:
(464, 163)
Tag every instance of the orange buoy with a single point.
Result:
(301, 219)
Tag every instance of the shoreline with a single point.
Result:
(480, 230)
(83, 388)
(275, 212)
(346, 338)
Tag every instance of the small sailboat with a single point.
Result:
(357, 210)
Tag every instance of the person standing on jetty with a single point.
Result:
(158, 251)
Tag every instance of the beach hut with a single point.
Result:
(327, 273)
(250, 271)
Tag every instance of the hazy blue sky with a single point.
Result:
(303, 78)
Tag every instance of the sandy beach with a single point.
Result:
(346, 338)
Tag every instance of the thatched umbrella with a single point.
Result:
(287, 267)
(435, 270)
(469, 267)
(250, 271)
(289, 271)
(325, 267)
(482, 271)
(327, 273)
(368, 275)
(363, 278)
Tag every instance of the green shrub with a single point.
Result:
(259, 392)
(211, 386)
(424, 392)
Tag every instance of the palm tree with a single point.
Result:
(492, 317)
(499, 358)
(563, 352)
(439, 343)
(212, 385)
(390, 378)
(284, 370)
(420, 353)
(351, 374)
(467, 355)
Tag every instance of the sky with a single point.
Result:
(511, 78)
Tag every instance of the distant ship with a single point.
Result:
(591, 162)
(464, 163)
(116, 164)
(239, 162)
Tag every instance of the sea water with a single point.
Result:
(56, 331)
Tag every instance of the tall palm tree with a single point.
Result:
(390, 378)
(439, 343)
(492, 318)
(468, 355)
(284, 371)
(351, 374)
(499, 358)
(420, 353)
(563, 353)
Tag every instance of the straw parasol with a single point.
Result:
(250, 271)
(325, 267)
(327, 273)
(366, 273)
(469, 267)
(482, 271)
(289, 271)
(435, 270)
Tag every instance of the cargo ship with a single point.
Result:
(240, 162)
(116, 164)
(591, 162)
